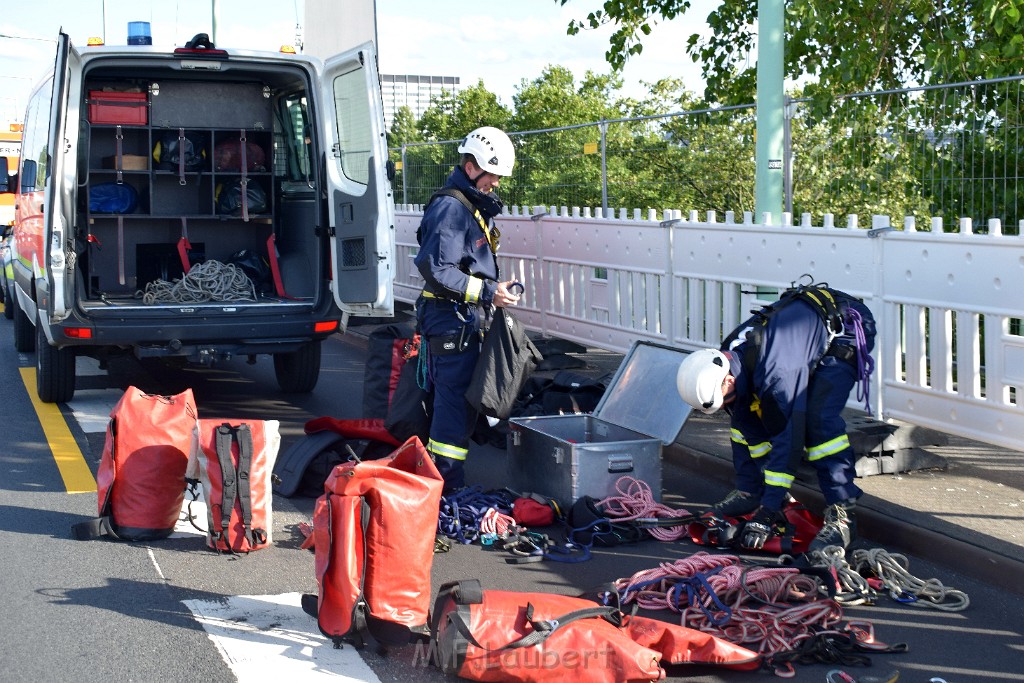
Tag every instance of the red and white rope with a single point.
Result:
(634, 500)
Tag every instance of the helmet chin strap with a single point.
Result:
(478, 177)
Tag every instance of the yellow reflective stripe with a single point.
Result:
(778, 479)
(447, 450)
(828, 448)
(759, 450)
(473, 288)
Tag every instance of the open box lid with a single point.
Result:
(642, 395)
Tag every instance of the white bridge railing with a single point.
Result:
(949, 306)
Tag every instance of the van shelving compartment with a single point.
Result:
(123, 252)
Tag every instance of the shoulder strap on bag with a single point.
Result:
(470, 593)
(229, 481)
(244, 436)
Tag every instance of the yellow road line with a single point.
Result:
(73, 468)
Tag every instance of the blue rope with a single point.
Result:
(462, 511)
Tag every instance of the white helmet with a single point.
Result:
(699, 379)
(492, 150)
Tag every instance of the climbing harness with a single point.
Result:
(839, 320)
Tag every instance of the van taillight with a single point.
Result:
(325, 326)
(78, 332)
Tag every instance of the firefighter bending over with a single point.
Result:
(784, 376)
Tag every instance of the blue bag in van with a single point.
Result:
(112, 198)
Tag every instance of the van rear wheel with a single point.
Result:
(298, 371)
(24, 335)
(55, 370)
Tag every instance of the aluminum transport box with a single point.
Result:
(569, 456)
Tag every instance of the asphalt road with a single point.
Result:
(173, 610)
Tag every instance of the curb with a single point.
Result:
(878, 527)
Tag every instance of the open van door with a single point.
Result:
(361, 202)
(58, 208)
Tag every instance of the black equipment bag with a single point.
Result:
(507, 360)
(180, 150)
(411, 406)
(388, 349)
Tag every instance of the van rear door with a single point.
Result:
(361, 203)
(58, 207)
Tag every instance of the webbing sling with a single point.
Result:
(181, 156)
(235, 482)
(245, 177)
(118, 163)
(819, 296)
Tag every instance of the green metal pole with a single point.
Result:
(770, 108)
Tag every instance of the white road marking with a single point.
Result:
(261, 637)
(92, 408)
(269, 637)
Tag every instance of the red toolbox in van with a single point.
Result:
(125, 108)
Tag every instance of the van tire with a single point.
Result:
(24, 335)
(55, 370)
(298, 371)
(8, 303)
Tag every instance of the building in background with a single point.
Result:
(414, 92)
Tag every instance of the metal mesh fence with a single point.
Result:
(949, 152)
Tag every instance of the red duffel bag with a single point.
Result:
(140, 483)
(374, 531)
(538, 637)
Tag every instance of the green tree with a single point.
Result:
(843, 46)
(448, 119)
(404, 128)
(562, 166)
(452, 115)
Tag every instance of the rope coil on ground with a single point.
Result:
(634, 501)
(204, 282)
(851, 587)
(892, 570)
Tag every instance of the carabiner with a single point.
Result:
(839, 676)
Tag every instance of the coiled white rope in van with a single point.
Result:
(204, 282)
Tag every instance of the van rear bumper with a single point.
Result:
(199, 337)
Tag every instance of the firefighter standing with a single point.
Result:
(457, 259)
(784, 379)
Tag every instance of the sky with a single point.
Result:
(492, 41)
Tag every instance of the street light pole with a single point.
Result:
(770, 108)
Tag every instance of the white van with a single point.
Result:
(201, 204)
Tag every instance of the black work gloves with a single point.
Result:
(763, 525)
